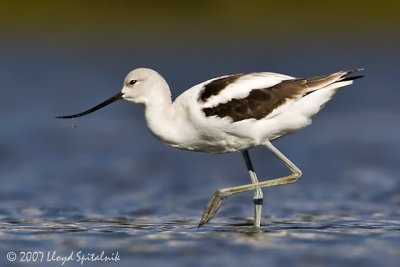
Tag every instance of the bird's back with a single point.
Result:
(235, 112)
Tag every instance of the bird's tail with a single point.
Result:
(334, 80)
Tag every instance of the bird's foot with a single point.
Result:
(212, 207)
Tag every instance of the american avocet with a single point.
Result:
(229, 114)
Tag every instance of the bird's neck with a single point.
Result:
(160, 114)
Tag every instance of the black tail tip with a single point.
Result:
(352, 78)
(346, 76)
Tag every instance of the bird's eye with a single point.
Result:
(132, 82)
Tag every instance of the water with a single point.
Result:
(108, 185)
(303, 240)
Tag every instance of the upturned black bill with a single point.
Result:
(99, 106)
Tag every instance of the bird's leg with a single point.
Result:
(258, 194)
(219, 195)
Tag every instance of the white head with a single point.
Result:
(140, 86)
(144, 85)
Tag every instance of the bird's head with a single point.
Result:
(140, 86)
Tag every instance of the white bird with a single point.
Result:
(229, 114)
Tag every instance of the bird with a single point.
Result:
(231, 113)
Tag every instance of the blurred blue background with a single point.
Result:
(110, 185)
